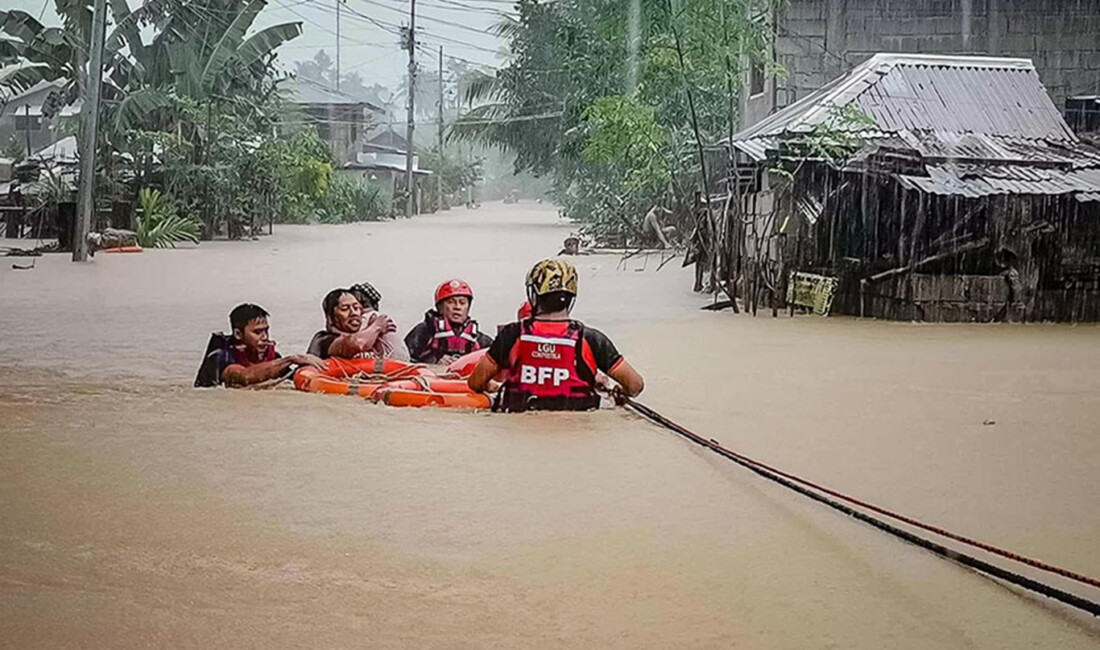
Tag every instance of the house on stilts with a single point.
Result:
(939, 188)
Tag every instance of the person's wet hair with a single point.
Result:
(244, 314)
(552, 302)
(332, 299)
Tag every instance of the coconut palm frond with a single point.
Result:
(160, 226)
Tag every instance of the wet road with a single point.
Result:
(138, 512)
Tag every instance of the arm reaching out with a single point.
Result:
(631, 382)
(237, 375)
(351, 345)
(483, 374)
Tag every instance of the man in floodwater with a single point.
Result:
(652, 230)
(248, 357)
(552, 360)
(354, 330)
(570, 246)
(447, 332)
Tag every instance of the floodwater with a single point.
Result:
(138, 512)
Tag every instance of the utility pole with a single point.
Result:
(27, 130)
(338, 44)
(410, 189)
(92, 86)
(27, 159)
(438, 178)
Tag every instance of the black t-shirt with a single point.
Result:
(320, 344)
(419, 340)
(603, 350)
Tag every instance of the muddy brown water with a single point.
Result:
(138, 512)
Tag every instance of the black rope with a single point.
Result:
(967, 560)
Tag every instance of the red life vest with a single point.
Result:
(549, 370)
(445, 341)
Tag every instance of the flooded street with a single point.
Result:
(139, 512)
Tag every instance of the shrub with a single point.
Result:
(160, 225)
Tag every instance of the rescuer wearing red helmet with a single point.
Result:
(553, 363)
(447, 331)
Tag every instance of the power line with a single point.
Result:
(317, 47)
(316, 24)
(442, 21)
(455, 5)
(426, 50)
(427, 121)
(375, 59)
(425, 35)
(395, 29)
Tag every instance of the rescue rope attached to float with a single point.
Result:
(818, 493)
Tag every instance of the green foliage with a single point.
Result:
(834, 138)
(455, 173)
(349, 200)
(160, 225)
(622, 134)
(604, 110)
(189, 93)
(49, 191)
(13, 149)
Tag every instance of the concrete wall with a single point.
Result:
(820, 39)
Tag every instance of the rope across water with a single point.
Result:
(818, 493)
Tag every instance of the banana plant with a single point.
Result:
(200, 49)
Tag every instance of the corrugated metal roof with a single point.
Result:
(975, 146)
(307, 91)
(975, 181)
(979, 125)
(965, 94)
(1009, 101)
(757, 149)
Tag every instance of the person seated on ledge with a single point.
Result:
(354, 330)
(554, 362)
(447, 332)
(248, 357)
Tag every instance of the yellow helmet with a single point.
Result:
(549, 276)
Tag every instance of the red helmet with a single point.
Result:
(451, 288)
(525, 311)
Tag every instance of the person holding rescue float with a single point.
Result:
(247, 357)
(551, 359)
(447, 332)
(354, 328)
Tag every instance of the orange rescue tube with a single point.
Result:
(431, 385)
(464, 365)
(346, 376)
(124, 249)
(416, 398)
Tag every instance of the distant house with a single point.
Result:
(952, 189)
(342, 120)
(384, 152)
(382, 157)
(21, 114)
